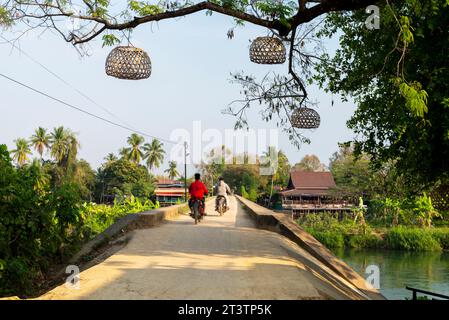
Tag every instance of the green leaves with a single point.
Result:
(395, 76)
(143, 8)
(406, 30)
(415, 97)
(5, 17)
(110, 40)
(277, 9)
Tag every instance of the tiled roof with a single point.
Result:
(311, 180)
(167, 181)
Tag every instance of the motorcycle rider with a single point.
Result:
(197, 190)
(221, 189)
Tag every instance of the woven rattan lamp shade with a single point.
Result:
(267, 50)
(128, 63)
(305, 118)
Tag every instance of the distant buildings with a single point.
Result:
(169, 192)
(312, 191)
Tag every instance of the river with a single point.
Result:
(422, 270)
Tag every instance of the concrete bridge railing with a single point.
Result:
(283, 224)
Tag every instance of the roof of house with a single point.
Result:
(306, 179)
(309, 183)
(167, 181)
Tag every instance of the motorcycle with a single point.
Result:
(197, 210)
(221, 205)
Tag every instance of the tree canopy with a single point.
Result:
(397, 74)
(310, 162)
(401, 87)
(293, 22)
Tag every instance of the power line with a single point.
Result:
(64, 81)
(84, 111)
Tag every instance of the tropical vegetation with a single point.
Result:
(51, 205)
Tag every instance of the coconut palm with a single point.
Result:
(64, 145)
(41, 179)
(58, 144)
(134, 152)
(40, 140)
(73, 145)
(172, 171)
(154, 154)
(20, 154)
(123, 153)
(110, 157)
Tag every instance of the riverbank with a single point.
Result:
(347, 233)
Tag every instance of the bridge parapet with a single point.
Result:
(282, 223)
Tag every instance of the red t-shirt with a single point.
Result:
(197, 190)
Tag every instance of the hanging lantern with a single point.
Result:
(267, 50)
(305, 118)
(128, 63)
(440, 197)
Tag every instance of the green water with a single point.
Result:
(424, 270)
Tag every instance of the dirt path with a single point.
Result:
(220, 258)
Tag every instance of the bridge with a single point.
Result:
(234, 256)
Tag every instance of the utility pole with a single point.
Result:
(185, 170)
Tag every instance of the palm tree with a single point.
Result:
(172, 171)
(73, 145)
(134, 152)
(123, 153)
(64, 145)
(110, 157)
(40, 140)
(41, 179)
(21, 152)
(58, 144)
(154, 154)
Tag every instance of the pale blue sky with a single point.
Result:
(192, 60)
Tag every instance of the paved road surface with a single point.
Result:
(220, 258)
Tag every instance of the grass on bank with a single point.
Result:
(345, 233)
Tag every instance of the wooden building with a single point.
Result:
(169, 192)
(311, 192)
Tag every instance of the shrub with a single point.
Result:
(244, 193)
(329, 239)
(98, 217)
(442, 236)
(360, 241)
(411, 239)
(253, 195)
(424, 209)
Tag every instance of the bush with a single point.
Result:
(329, 239)
(244, 193)
(442, 236)
(360, 241)
(415, 239)
(253, 195)
(97, 218)
(42, 224)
